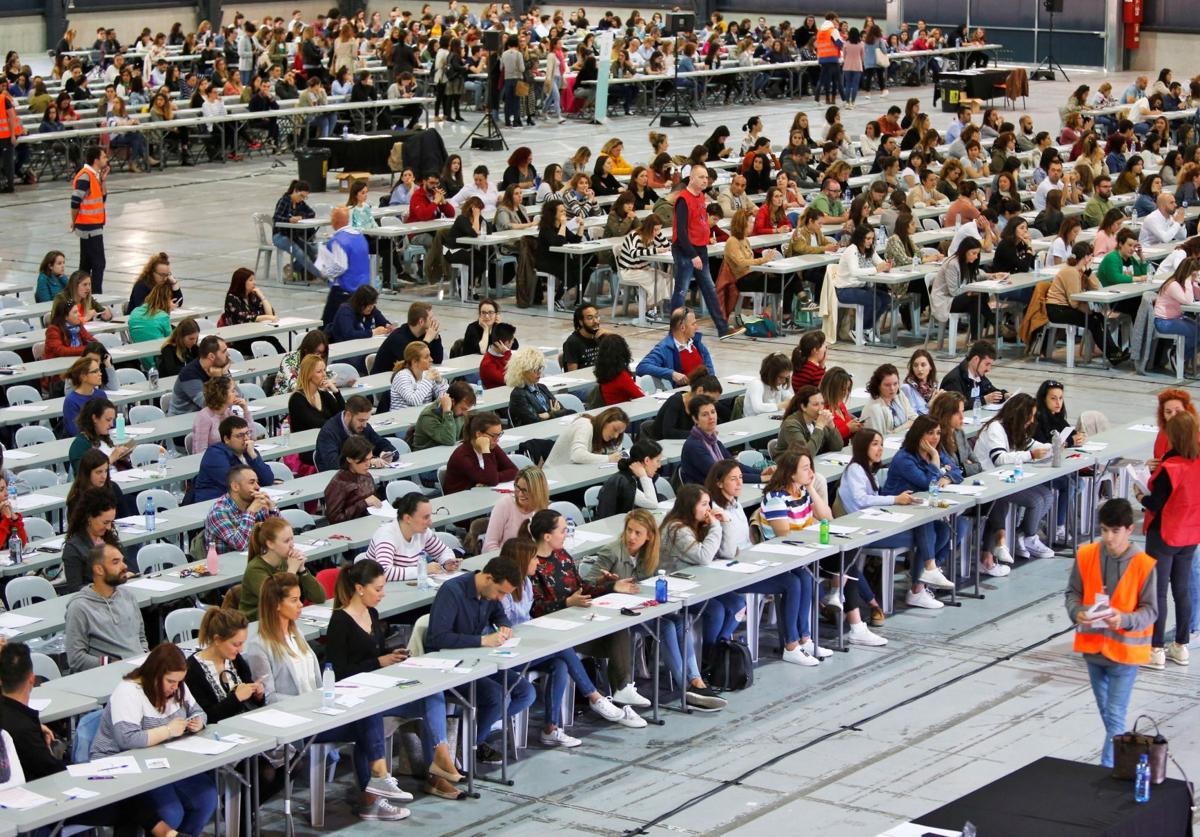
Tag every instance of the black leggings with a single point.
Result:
(1174, 566)
(1069, 315)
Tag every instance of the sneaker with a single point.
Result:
(381, 809)
(631, 719)
(877, 617)
(923, 599)
(799, 656)
(606, 710)
(833, 600)
(996, 570)
(702, 697)
(821, 653)
(386, 787)
(559, 738)
(860, 634)
(630, 696)
(935, 578)
(1000, 553)
(1158, 659)
(487, 754)
(1177, 654)
(1034, 546)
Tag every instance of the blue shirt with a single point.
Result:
(459, 617)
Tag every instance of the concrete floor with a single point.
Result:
(876, 736)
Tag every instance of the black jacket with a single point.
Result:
(617, 494)
(25, 728)
(218, 708)
(394, 345)
(523, 407)
(957, 380)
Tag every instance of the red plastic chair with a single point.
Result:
(327, 578)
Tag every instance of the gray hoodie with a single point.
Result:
(103, 627)
(1111, 570)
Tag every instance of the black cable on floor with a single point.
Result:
(851, 727)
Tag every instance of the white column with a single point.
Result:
(895, 15)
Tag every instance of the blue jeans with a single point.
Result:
(1194, 593)
(187, 805)
(676, 640)
(432, 710)
(720, 618)
(850, 82)
(136, 143)
(873, 301)
(512, 110)
(324, 123)
(684, 271)
(489, 700)
(552, 103)
(367, 735)
(246, 75)
(790, 589)
(560, 670)
(1112, 684)
(1188, 328)
(301, 249)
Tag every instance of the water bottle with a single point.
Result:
(423, 582)
(1057, 442)
(285, 430)
(12, 496)
(14, 548)
(935, 487)
(1141, 782)
(211, 562)
(570, 529)
(1018, 471)
(149, 515)
(345, 132)
(162, 460)
(328, 689)
(824, 531)
(152, 377)
(976, 406)
(660, 587)
(119, 435)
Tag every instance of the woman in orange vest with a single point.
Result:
(17, 155)
(1172, 533)
(1111, 598)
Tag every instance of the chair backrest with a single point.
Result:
(183, 624)
(398, 488)
(281, 472)
(156, 557)
(44, 667)
(452, 542)
(751, 458)
(39, 529)
(567, 509)
(27, 589)
(85, 734)
(251, 391)
(162, 500)
(570, 402)
(37, 478)
(416, 640)
(9, 358)
(663, 486)
(520, 460)
(648, 383)
(327, 578)
(110, 339)
(33, 435)
(17, 327)
(145, 413)
(441, 476)
(344, 373)
(130, 377)
(236, 356)
(263, 223)
(263, 348)
(298, 518)
(145, 454)
(591, 499)
(23, 393)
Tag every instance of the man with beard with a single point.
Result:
(579, 349)
(103, 621)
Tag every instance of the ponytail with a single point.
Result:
(361, 572)
(264, 531)
(220, 623)
(1079, 252)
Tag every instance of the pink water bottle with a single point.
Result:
(214, 567)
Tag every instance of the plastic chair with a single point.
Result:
(567, 509)
(452, 542)
(33, 435)
(344, 373)
(550, 280)
(571, 402)
(183, 625)
(236, 356)
(11, 327)
(663, 486)
(39, 529)
(130, 377)
(281, 472)
(37, 478)
(251, 391)
(398, 488)
(23, 393)
(145, 413)
(266, 247)
(955, 323)
(752, 459)
(327, 578)
(110, 339)
(156, 557)
(44, 667)
(1071, 332)
(162, 500)
(591, 499)
(146, 454)
(25, 590)
(299, 519)
(263, 348)
(520, 460)
(8, 359)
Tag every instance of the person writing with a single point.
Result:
(399, 547)
(218, 676)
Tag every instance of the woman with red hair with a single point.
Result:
(1170, 401)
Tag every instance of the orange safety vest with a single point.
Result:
(10, 121)
(1179, 520)
(1120, 646)
(827, 47)
(91, 208)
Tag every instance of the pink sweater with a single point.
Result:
(204, 429)
(1170, 297)
(504, 523)
(852, 57)
(1102, 245)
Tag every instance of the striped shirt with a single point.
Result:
(407, 391)
(633, 252)
(796, 509)
(398, 556)
(129, 717)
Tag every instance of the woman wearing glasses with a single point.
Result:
(86, 378)
(531, 494)
(479, 460)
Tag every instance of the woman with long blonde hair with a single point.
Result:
(531, 493)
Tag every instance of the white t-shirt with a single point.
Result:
(16, 775)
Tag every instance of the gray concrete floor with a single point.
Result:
(872, 737)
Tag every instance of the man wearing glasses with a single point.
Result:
(236, 448)
(829, 203)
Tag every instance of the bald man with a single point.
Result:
(345, 260)
(1165, 224)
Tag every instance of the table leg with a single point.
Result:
(683, 682)
(978, 548)
(953, 524)
(841, 632)
(289, 821)
(256, 791)
(657, 648)
(385, 261)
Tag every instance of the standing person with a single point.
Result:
(345, 260)
(89, 191)
(1113, 639)
(1171, 539)
(689, 247)
(512, 67)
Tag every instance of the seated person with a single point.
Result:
(235, 448)
(103, 621)
(212, 361)
(887, 411)
(220, 395)
(529, 401)
(632, 486)
(590, 440)
(479, 459)
(703, 449)
(495, 361)
(315, 400)
(352, 490)
(400, 546)
(218, 676)
(353, 421)
(672, 420)
(272, 550)
(231, 519)
(809, 424)
(442, 422)
(530, 494)
(678, 353)
(416, 381)
(22, 726)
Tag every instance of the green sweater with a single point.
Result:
(79, 446)
(1111, 270)
(146, 327)
(435, 427)
(258, 571)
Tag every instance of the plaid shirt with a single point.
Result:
(228, 527)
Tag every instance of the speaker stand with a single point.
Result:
(1045, 70)
(681, 115)
(492, 140)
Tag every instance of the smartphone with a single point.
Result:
(681, 575)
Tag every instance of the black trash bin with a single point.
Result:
(953, 91)
(312, 164)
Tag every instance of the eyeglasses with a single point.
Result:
(494, 436)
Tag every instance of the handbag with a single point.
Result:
(522, 89)
(1129, 747)
(881, 58)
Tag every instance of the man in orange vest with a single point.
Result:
(829, 57)
(88, 194)
(1111, 598)
(16, 157)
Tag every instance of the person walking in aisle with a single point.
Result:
(89, 191)
(689, 247)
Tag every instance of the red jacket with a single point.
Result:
(762, 222)
(491, 369)
(56, 343)
(422, 208)
(10, 525)
(620, 389)
(463, 471)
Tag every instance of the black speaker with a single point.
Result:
(1054, 7)
(493, 40)
(680, 23)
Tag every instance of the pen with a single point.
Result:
(98, 778)
(731, 562)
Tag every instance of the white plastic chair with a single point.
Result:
(28, 589)
(567, 509)
(398, 488)
(591, 499)
(281, 472)
(251, 391)
(145, 413)
(33, 435)
(130, 377)
(39, 529)
(266, 247)
(44, 667)
(110, 339)
(571, 402)
(183, 624)
(23, 393)
(298, 518)
(263, 348)
(38, 478)
(162, 500)
(156, 557)
(146, 454)
(344, 373)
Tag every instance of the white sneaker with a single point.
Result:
(1158, 659)
(631, 719)
(860, 634)
(799, 656)
(923, 599)
(996, 570)
(1178, 654)
(1060, 534)
(381, 809)
(630, 696)
(558, 738)
(1000, 553)
(386, 787)
(606, 710)
(935, 578)
(1036, 548)
(821, 654)
(833, 599)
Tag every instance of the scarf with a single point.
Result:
(709, 440)
(72, 334)
(925, 389)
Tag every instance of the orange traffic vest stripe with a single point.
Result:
(91, 208)
(1179, 519)
(1118, 645)
(826, 46)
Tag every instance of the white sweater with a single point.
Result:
(853, 267)
(574, 445)
(992, 448)
(763, 401)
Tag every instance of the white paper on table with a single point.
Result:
(155, 584)
(29, 408)
(17, 620)
(662, 395)
(511, 642)
(1143, 428)
(19, 798)
(284, 322)
(132, 475)
(158, 764)
(121, 392)
(275, 718)
(911, 829)
(239, 739)
(617, 601)
(735, 566)
(779, 548)
(884, 515)
(277, 493)
(837, 529)
(562, 381)
(39, 704)
(859, 393)
(18, 454)
(139, 431)
(265, 446)
(348, 700)
(504, 487)
(582, 537)
(1139, 474)
(111, 766)
(29, 501)
(1086, 447)
(370, 680)
(136, 661)
(199, 744)
(963, 488)
(383, 510)
(317, 613)
(739, 379)
(552, 624)
(434, 663)
(79, 793)
(674, 585)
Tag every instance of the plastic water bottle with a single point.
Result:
(14, 548)
(423, 582)
(148, 515)
(1141, 782)
(328, 689)
(935, 487)
(1018, 471)
(660, 587)
(345, 132)
(162, 460)
(570, 529)
(976, 407)
(119, 434)
(152, 377)
(12, 496)
(211, 562)
(824, 531)
(285, 430)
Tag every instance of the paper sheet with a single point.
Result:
(1086, 447)
(155, 584)
(550, 623)
(278, 493)
(285, 322)
(582, 537)
(739, 379)
(884, 515)
(616, 601)
(1140, 428)
(39, 704)
(836, 529)
(434, 663)
(29, 501)
(1138, 474)
(16, 620)
(778, 548)
(275, 718)
(79, 793)
(384, 511)
(20, 799)
(29, 408)
(674, 585)
(135, 432)
(317, 613)
(735, 567)
(200, 744)
(370, 680)
(18, 454)
(111, 766)
(964, 489)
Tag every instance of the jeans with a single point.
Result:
(301, 250)
(489, 700)
(552, 103)
(1112, 684)
(684, 271)
(432, 710)
(1062, 486)
(850, 82)
(830, 79)
(720, 618)
(560, 670)
(188, 804)
(136, 143)
(1194, 594)
(1036, 502)
(367, 735)
(246, 75)
(873, 301)
(1188, 328)
(324, 123)
(512, 110)
(790, 589)
(91, 259)
(674, 634)
(1175, 567)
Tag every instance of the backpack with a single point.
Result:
(731, 667)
